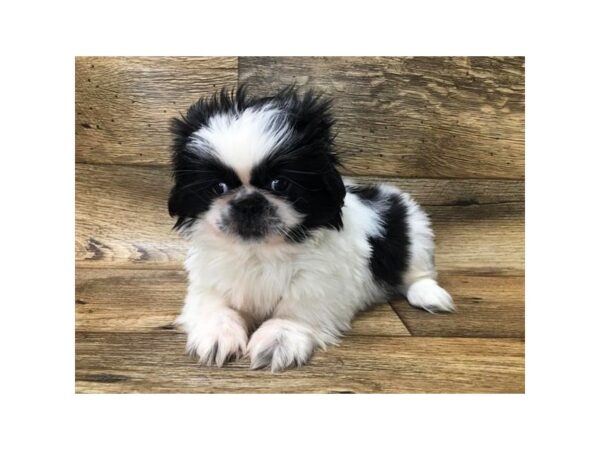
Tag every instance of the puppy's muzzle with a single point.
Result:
(251, 204)
(251, 215)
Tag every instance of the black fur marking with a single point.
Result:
(390, 254)
(195, 178)
(306, 161)
(368, 193)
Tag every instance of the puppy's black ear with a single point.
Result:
(311, 117)
(313, 120)
(312, 149)
(335, 185)
(181, 129)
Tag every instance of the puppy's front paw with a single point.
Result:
(218, 337)
(280, 343)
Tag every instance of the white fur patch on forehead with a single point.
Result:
(242, 140)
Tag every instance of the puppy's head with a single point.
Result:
(256, 168)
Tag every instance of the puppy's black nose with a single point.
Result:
(254, 203)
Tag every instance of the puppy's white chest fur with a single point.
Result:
(250, 278)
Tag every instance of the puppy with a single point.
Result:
(282, 251)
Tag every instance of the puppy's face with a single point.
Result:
(256, 169)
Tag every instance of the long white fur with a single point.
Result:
(299, 296)
(242, 140)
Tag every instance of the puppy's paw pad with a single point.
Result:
(280, 344)
(431, 297)
(218, 338)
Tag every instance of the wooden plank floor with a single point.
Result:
(448, 130)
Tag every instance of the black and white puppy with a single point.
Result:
(283, 252)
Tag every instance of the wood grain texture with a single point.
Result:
(487, 306)
(144, 300)
(450, 131)
(122, 220)
(154, 362)
(414, 117)
(123, 105)
(408, 117)
(455, 192)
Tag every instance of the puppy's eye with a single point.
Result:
(278, 185)
(220, 188)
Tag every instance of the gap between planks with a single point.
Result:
(382, 177)
(142, 300)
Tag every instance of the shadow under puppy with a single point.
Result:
(282, 251)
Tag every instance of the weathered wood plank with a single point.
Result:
(122, 219)
(487, 306)
(480, 238)
(154, 362)
(414, 117)
(410, 117)
(145, 300)
(123, 105)
(455, 192)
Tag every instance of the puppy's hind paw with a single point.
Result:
(430, 296)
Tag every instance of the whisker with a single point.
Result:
(203, 182)
(305, 172)
(293, 234)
